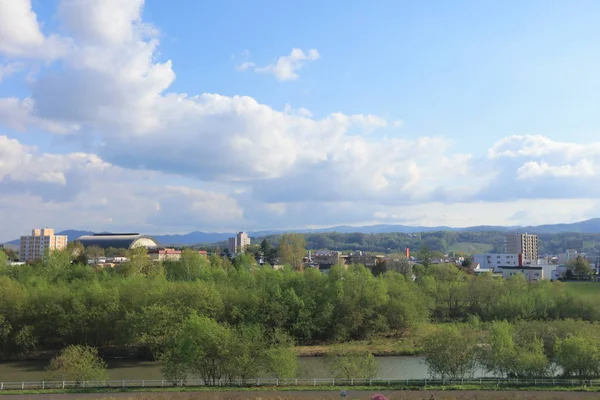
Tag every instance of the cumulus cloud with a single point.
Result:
(286, 67)
(235, 160)
(528, 166)
(20, 34)
(9, 69)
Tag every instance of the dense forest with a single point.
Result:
(59, 302)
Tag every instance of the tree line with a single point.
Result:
(442, 241)
(59, 302)
(565, 348)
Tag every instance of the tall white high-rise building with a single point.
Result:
(238, 243)
(40, 242)
(523, 243)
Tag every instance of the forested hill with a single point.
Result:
(444, 241)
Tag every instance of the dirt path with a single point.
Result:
(321, 395)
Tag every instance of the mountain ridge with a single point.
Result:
(198, 237)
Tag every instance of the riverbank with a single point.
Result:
(381, 347)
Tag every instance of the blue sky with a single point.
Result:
(422, 113)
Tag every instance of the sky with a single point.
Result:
(167, 117)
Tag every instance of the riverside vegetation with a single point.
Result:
(217, 319)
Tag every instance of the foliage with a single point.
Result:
(292, 249)
(580, 267)
(505, 356)
(450, 353)
(77, 363)
(211, 351)
(578, 356)
(60, 302)
(348, 364)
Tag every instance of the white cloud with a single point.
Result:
(20, 34)
(9, 69)
(286, 67)
(535, 169)
(234, 160)
(245, 65)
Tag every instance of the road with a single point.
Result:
(321, 395)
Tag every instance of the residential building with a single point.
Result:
(495, 261)
(525, 244)
(166, 254)
(531, 273)
(39, 243)
(238, 243)
(564, 258)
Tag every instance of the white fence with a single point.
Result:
(407, 383)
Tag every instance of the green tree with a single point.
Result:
(202, 347)
(95, 251)
(292, 250)
(77, 364)
(268, 252)
(345, 363)
(578, 356)
(580, 267)
(506, 356)
(3, 263)
(450, 353)
(424, 256)
(213, 351)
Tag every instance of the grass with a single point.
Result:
(405, 345)
(583, 288)
(471, 247)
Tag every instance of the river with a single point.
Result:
(393, 367)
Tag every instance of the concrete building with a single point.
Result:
(564, 258)
(118, 240)
(495, 261)
(525, 244)
(531, 273)
(238, 243)
(39, 243)
(166, 254)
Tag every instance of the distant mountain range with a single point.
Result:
(196, 237)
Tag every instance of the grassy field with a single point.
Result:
(583, 288)
(471, 247)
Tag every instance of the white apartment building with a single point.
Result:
(495, 261)
(525, 244)
(238, 243)
(40, 242)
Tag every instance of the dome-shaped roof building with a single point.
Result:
(118, 240)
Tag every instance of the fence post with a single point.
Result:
(63, 384)
(162, 383)
(425, 381)
(277, 382)
(2, 386)
(123, 384)
(43, 385)
(315, 382)
(296, 381)
(258, 382)
(352, 382)
(370, 382)
(332, 381)
(142, 383)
